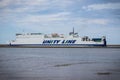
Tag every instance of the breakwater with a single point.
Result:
(21, 46)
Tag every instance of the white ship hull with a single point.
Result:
(55, 40)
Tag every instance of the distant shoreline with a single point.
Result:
(8, 46)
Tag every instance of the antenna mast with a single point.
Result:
(73, 30)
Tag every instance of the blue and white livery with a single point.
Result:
(56, 40)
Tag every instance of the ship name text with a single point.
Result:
(59, 41)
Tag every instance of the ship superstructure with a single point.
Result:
(56, 40)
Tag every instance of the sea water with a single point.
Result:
(59, 63)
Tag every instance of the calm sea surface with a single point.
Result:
(59, 63)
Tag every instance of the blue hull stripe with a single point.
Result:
(57, 45)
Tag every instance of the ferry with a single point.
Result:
(56, 40)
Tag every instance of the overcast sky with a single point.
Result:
(94, 18)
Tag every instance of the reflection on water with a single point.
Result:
(60, 63)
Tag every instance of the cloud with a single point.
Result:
(22, 2)
(92, 21)
(34, 5)
(59, 19)
(33, 10)
(4, 3)
(97, 21)
(102, 6)
(22, 6)
(45, 18)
